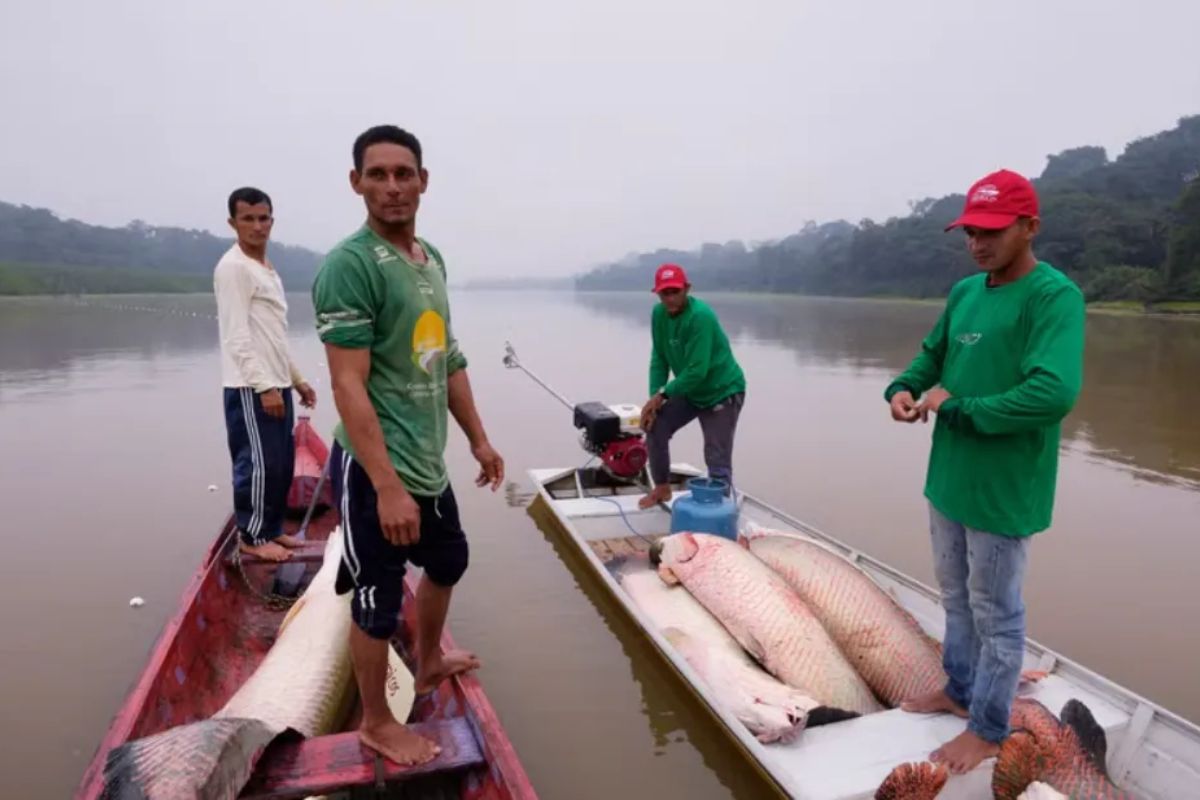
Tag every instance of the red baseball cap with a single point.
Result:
(669, 276)
(996, 201)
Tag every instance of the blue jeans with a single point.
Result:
(718, 424)
(980, 575)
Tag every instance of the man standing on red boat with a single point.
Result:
(258, 374)
(384, 316)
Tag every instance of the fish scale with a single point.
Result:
(766, 617)
(891, 652)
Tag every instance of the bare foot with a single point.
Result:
(271, 551)
(934, 703)
(660, 494)
(441, 667)
(964, 752)
(397, 743)
(287, 540)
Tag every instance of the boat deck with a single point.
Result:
(1150, 751)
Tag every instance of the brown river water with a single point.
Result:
(111, 431)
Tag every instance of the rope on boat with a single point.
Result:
(271, 599)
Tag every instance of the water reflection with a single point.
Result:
(1136, 410)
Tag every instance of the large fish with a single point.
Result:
(887, 647)
(765, 616)
(304, 683)
(771, 710)
(1068, 755)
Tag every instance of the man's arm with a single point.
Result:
(344, 300)
(462, 405)
(659, 371)
(697, 353)
(1053, 374)
(399, 514)
(234, 289)
(926, 369)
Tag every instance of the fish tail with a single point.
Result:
(825, 715)
(913, 781)
(209, 759)
(1079, 718)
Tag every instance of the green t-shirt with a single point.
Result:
(369, 295)
(694, 347)
(1011, 357)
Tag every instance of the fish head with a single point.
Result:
(773, 723)
(671, 552)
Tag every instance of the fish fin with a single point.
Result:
(913, 781)
(1091, 736)
(206, 759)
(826, 715)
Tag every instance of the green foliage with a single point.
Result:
(136, 256)
(50, 279)
(1125, 229)
(1183, 254)
(1123, 283)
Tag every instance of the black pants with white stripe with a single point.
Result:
(263, 453)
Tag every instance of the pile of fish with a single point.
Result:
(786, 633)
(1043, 759)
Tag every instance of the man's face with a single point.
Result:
(995, 249)
(390, 183)
(252, 223)
(673, 299)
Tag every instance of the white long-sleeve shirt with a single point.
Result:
(252, 319)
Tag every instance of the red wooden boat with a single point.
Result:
(222, 631)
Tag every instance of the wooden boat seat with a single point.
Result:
(310, 551)
(305, 767)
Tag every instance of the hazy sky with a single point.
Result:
(561, 134)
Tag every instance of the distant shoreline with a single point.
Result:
(1173, 309)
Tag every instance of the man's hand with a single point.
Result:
(491, 465)
(904, 407)
(932, 402)
(650, 411)
(272, 403)
(399, 514)
(308, 396)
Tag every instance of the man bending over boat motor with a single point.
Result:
(686, 339)
(384, 316)
(1001, 368)
(258, 375)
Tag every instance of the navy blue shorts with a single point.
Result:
(372, 566)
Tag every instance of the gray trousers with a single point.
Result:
(717, 423)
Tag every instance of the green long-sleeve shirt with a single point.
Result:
(1011, 357)
(693, 346)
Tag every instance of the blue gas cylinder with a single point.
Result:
(706, 509)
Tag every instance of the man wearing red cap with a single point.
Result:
(1001, 368)
(687, 340)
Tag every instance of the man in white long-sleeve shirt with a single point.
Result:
(258, 374)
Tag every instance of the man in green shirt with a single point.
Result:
(383, 314)
(687, 340)
(1001, 368)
